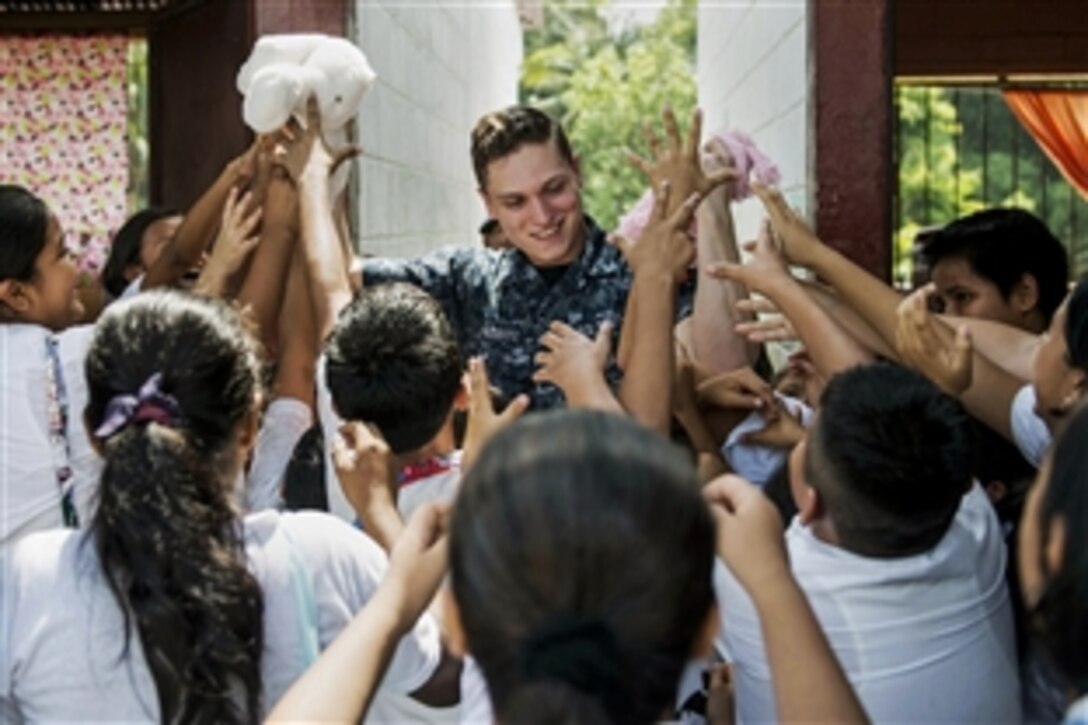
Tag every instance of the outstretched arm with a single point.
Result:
(339, 686)
(809, 683)
(185, 248)
(990, 396)
(831, 348)
(715, 343)
(310, 162)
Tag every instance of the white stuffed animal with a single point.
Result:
(284, 70)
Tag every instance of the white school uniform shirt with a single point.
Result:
(1029, 432)
(29, 492)
(924, 638)
(62, 636)
(285, 421)
(757, 463)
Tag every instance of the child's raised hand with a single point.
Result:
(678, 161)
(364, 467)
(419, 561)
(305, 151)
(570, 359)
(237, 236)
(799, 242)
(483, 421)
(663, 246)
(740, 388)
(774, 328)
(947, 365)
(763, 270)
(783, 429)
(750, 534)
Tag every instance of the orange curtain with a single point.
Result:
(1058, 121)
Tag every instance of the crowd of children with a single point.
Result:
(885, 530)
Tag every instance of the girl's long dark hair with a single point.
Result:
(580, 560)
(168, 540)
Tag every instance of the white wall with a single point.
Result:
(440, 65)
(753, 76)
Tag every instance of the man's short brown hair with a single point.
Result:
(501, 133)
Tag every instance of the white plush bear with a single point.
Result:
(284, 70)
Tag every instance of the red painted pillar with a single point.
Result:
(851, 56)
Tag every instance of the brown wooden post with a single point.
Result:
(851, 55)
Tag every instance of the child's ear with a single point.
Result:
(1025, 294)
(811, 506)
(462, 397)
(451, 623)
(16, 296)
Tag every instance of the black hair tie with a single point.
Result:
(579, 651)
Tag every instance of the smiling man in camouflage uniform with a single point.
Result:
(559, 266)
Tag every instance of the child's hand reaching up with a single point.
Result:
(364, 467)
(799, 243)
(483, 421)
(765, 268)
(236, 241)
(740, 388)
(575, 364)
(946, 362)
(750, 537)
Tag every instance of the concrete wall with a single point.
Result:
(440, 66)
(753, 76)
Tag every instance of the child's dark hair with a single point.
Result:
(24, 220)
(1002, 245)
(125, 247)
(165, 532)
(580, 560)
(1058, 619)
(890, 455)
(501, 133)
(393, 360)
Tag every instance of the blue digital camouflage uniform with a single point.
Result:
(500, 305)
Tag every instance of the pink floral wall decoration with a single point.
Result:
(62, 131)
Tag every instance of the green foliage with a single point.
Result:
(138, 148)
(602, 85)
(961, 150)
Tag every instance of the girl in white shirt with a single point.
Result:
(169, 607)
(46, 462)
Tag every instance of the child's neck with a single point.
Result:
(441, 445)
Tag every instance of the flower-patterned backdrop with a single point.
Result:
(62, 131)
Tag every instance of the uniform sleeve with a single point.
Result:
(347, 567)
(1029, 432)
(285, 422)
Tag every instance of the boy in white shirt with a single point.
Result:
(900, 555)
(393, 361)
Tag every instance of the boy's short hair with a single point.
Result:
(1002, 245)
(393, 360)
(500, 133)
(890, 455)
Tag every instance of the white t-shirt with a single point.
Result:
(284, 423)
(60, 658)
(1029, 432)
(925, 638)
(439, 485)
(133, 288)
(29, 492)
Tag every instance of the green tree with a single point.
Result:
(602, 84)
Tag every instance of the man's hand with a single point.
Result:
(678, 162)
(483, 421)
(740, 388)
(570, 360)
(919, 344)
